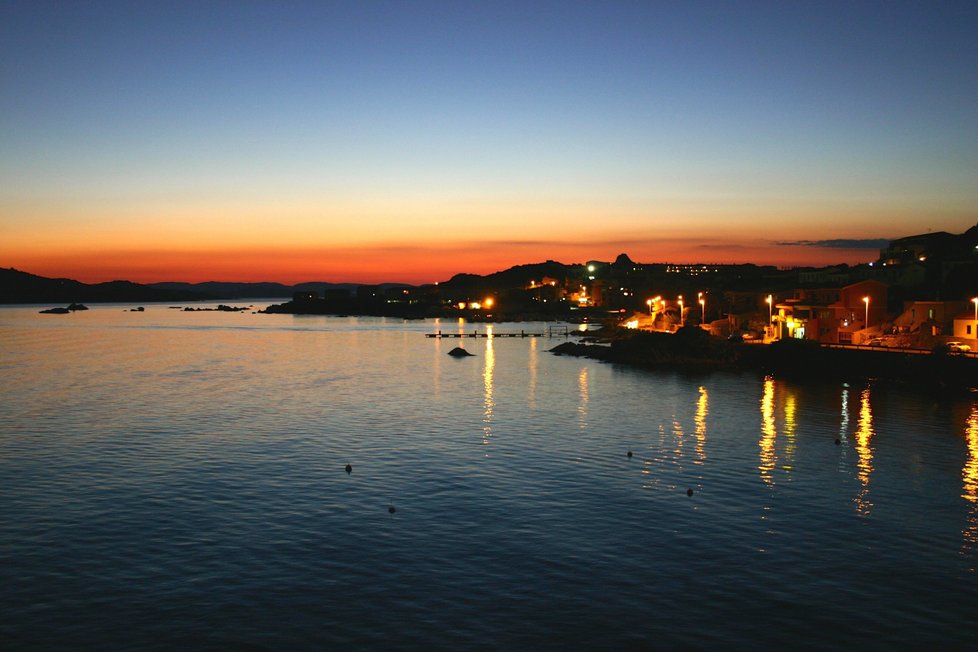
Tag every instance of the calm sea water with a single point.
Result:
(174, 480)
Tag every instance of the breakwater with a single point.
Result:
(795, 359)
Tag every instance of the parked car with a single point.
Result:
(876, 341)
(958, 347)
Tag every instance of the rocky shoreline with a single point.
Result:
(693, 349)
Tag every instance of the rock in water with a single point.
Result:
(459, 352)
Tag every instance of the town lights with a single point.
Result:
(866, 301)
(488, 302)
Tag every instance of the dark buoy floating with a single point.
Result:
(391, 509)
(689, 492)
(349, 468)
(629, 453)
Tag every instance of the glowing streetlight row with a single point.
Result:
(653, 305)
(476, 305)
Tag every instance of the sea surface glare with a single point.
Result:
(178, 480)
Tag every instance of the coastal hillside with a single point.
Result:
(21, 287)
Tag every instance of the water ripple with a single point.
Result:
(188, 478)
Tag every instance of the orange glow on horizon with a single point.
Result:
(377, 263)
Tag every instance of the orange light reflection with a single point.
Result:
(864, 466)
(769, 433)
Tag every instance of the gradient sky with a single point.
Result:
(407, 141)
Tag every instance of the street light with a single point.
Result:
(770, 304)
(649, 304)
(975, 301)
(703, 308)
(866, 301)
(681, 320)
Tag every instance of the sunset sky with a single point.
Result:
(407, 141)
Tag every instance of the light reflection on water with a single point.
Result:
(769, 433)
(487, 379)
(702, 410)
(790, 425)
(583, 392)
(185, 473)
(864, 437)
(969, 475)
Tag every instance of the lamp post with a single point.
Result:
(649, 304)
(770, 307)
(703, 310)
(975, 301)
(866, 301)
(681, 320)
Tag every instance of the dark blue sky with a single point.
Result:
(343, 122)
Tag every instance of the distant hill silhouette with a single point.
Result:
(517, 276)
(256, 290)
(228, 290)
(20, 287)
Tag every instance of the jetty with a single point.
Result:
(553, 331)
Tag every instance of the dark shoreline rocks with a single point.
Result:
(459, 352)
(793, 359)
(64, 311)
(220, 308)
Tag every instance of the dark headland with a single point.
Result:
(692, 349)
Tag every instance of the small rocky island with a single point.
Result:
(64, 311)
(220, 308)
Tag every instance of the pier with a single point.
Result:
(555, 331)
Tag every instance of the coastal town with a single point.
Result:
(920, 293)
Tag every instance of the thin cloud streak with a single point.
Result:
(865, 243)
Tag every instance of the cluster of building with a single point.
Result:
(858, 314)
(921, 291)
(918, 293)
